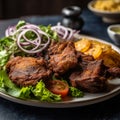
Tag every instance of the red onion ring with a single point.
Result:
(10, 31)
(64, 32)
(37, 42)
(37, 45)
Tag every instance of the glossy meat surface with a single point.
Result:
(26, 71)
(91, 79)
(62, 57)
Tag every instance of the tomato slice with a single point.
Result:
(58, 87)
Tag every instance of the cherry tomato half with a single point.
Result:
(58, 87)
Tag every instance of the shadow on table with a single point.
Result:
(100, 111)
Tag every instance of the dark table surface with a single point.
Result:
(107, 110)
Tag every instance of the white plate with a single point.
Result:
(73, 102)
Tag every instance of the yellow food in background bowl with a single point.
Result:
(107, 5)
(109, 10)
(99, 50)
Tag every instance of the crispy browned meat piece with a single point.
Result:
(63, 57)
(57, 47)
(25, 71)
(83, 57)
(92, 79)
(114, 72)
(84, 60)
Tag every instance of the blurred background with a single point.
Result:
(17, 8)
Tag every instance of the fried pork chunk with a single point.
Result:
(25, 71)
(92, 78)
(114, 72)
(62, 57)
(84, 59)
(58, 47)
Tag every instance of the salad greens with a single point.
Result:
(39, 91)
(7, 85)
(47, 29)
(9, 48)
(74, 92)
(42, 93)
(20, 24)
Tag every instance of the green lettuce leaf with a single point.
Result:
(7, 48)
(20, 24)
(25, 92)
(7, 85)
(39, 91)
(43, 94)
(2, 81)
(47, 29)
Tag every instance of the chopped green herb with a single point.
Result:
(20, 24)
(52, 34)
(74, 92)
